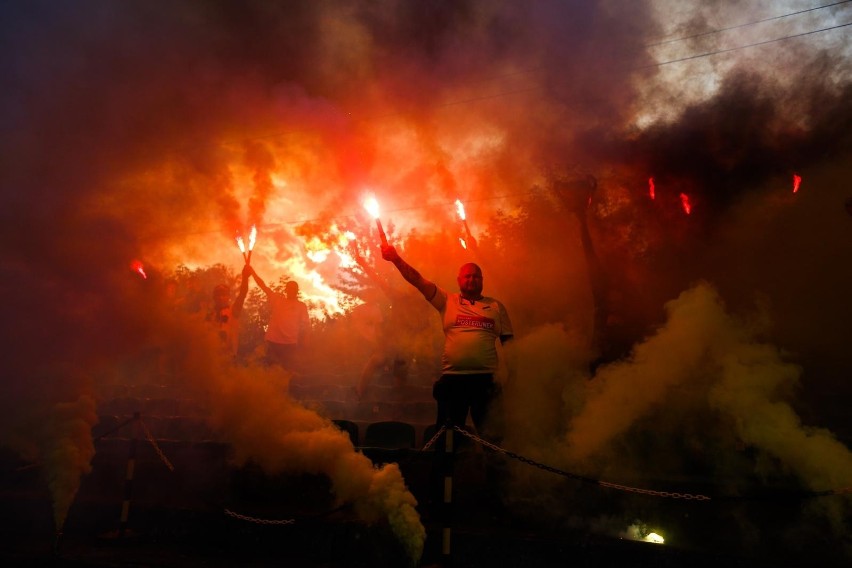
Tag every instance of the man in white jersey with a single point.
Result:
(288, 326)
(472, 325)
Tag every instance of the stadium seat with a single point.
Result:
(350, 428)
(390, 434)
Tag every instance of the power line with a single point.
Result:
(717, 52)
(719, 30)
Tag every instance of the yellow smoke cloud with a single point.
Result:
(68, 450)
(250, 409)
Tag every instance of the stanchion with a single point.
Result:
(128, 478)
(446, 533)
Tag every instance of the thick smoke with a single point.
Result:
(139, 131)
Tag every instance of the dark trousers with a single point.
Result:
(458, 395)
(283, 354)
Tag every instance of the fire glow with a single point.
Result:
(651, 189)
(639, 532)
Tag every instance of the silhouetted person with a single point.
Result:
(225, 315)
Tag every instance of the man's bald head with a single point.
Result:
(470, 281)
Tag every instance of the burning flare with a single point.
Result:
(252, 240)
(685, 203)
(651, 188)
(136, 266)
(797, 181)
(460, 209)
(242, 246)
(372, 207)
(468, 238)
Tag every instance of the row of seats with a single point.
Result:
(391, 435)
(420, 412)
(388, 434)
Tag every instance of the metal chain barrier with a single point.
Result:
(157, 449)
(496, 448)
(437, 435)
(115, 429)
(258, 521)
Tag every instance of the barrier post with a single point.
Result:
(128, 478)
(446, 533)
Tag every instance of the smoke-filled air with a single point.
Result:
(666, 214)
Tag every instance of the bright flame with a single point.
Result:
(372, 207)
(797, 181)
(639, 532)
(136, 266)
(460, 209)
(463, 244)
(252, 238)
(651, 189)
(241, 244)
(684, 202)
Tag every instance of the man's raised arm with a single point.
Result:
(411, 275)
(237, 306)
(261, 284)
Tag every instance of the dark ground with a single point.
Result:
(178, 518)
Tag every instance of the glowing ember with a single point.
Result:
(651, 188)
(460, 209)
(684, 202)
(136, 266)
(372, 207)
(655, 538)
(797, 181)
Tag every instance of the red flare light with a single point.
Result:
(651, 188)
(684, 202)
(372, 207)
(463, 244)
(136, 266)
(797, 181)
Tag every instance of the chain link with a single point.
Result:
(496, 448)
(157, 449)
(434, 438)
(257, 521)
